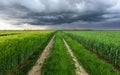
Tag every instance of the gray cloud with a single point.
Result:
(56, 12)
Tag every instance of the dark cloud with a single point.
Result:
(60, 18)
(57, 12)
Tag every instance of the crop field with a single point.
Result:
(59, 52)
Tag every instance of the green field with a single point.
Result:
(97, 52)
(105, 44)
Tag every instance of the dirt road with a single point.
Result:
(79, 69)
(36, 69)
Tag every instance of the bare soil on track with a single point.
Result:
(79, 69)
(36, 69)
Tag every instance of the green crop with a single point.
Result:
(98, 52)
(15, 49)
(106, 44)
(92, 64)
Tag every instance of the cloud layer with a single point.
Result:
(57, 12)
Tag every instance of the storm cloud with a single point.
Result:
(98, 13)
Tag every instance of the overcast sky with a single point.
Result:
(60, 14)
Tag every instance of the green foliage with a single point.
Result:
(90, 61)
(104, 43)
(15, 49)
(33, 58)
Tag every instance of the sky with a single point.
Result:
(59, 14)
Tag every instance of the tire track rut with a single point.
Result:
(36, 69)
(79, 69)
